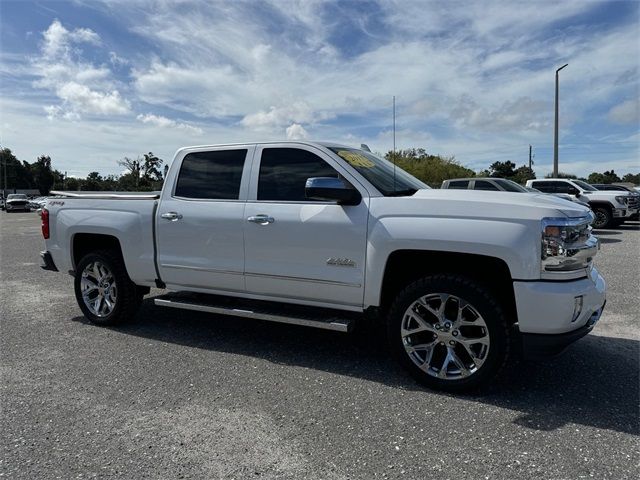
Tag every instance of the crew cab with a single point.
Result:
(328, 236)
(610, 208)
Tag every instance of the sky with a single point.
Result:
(90, 82)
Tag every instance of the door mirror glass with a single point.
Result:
(331, 189)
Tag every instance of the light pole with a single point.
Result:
(555, 132)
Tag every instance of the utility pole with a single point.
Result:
(4, 157)
(529, 157)
(555, 136)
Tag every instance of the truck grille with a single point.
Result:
(633, 201)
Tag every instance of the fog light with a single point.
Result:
(577, 308)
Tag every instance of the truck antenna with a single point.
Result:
(394, 143)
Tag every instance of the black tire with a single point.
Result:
(603, 217)
(128, 297)
(482, 302)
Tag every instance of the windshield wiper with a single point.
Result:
(402, 193)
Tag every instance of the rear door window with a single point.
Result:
(546, 187)
(214, 175)
(459, 184)
(484, 185)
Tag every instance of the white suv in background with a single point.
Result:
(610, 208)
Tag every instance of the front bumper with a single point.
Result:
(557, 313)
(537, 346)
(620, 213)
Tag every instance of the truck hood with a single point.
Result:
(484, 204)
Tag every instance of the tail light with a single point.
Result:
(45, 223)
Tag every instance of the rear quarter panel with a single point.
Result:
(129, 221)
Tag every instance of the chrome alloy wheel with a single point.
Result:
(445, 336)
(98, 289)
(601, 219)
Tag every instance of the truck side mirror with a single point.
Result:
(333, 189)
(574, 191)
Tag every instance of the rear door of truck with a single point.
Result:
(200, 220)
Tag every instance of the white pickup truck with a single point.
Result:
(611, 209)
(325, 235)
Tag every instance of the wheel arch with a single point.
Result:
(600, 203)
(84, 243)
(406, 266)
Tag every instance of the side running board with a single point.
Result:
(326, 319)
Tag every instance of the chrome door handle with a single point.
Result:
(173, 216)
(261, 219)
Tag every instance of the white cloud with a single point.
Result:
(85, 100)
(474, 82)
(116, 60)
(164, 122)
(57, 39)
(82, 87)
(295, 131)
(626, 112)
(299, 112)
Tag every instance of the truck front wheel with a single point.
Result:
(603, 219)
(448, 332)
(105, 293)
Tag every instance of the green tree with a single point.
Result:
(73, 184)
(18, 174)
(606, 177)
(503, 169)
(134, 168)
(431, 169)
(93, 182)
(42, 174)
(151, 167)
(632, 178)
(522, 174)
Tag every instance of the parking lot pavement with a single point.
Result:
(179, 394)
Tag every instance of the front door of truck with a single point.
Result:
(298, 248)
(200, 221)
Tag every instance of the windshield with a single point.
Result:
(585, 186)
(511, 186)
(380, 172)
(15, 196)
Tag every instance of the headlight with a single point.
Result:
(567, 244)
(622, 199)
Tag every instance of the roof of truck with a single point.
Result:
(273, 142)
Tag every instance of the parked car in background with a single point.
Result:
(17, 201)
(38, 202)
(500, 184)
(610, 208)
(634, 202)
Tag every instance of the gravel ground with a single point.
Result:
(179, 394)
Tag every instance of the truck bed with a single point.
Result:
(129, 217)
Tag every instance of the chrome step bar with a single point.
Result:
(272, 312)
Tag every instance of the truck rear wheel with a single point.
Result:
(105, 293)
(448, 332)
